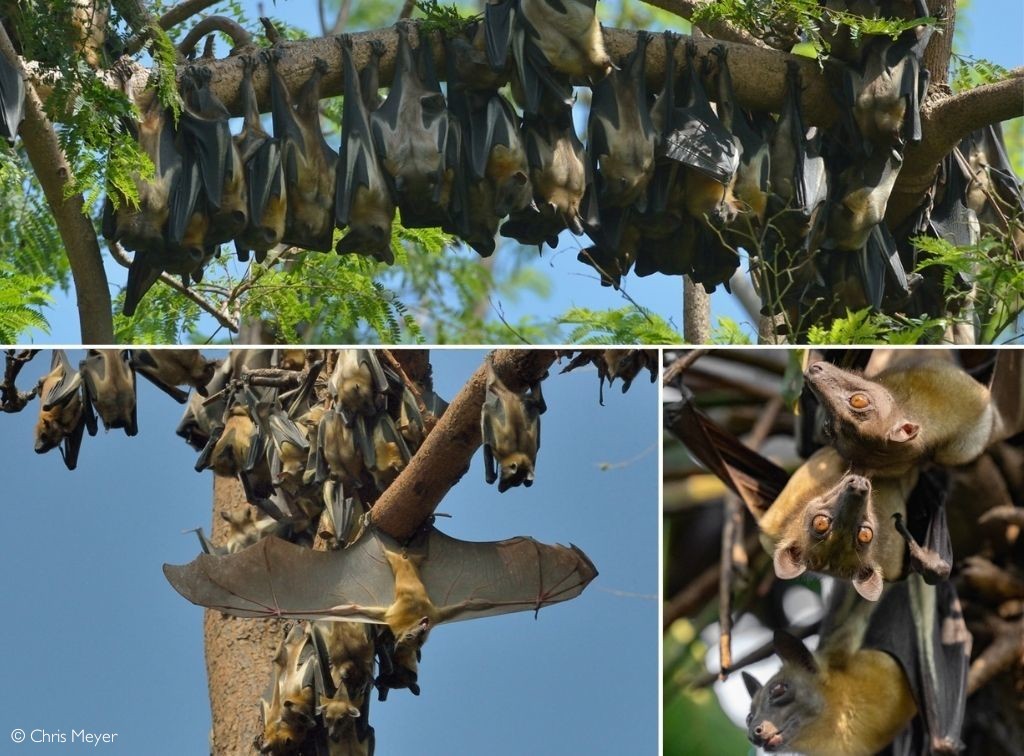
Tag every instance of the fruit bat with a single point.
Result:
(497, 180)
(61, 420)
(626, 364)
(410, 421)
(552, 43)
(798, 179)
(816, 706)
(831, 521)
(862, 195)
(919, 409)
(622, 138)
(699, 142)
(378, 581)
(12, 99)
(168, 368)
(358, 383)
(510, 426)
(414, 139)
(206, 139)
(387, 453)
(884, 93)
(264, 176)
(309, 163)
(288, 708)
(201, 415)
(363, 199)
(344, 677)
(842, 44)
(560, 174)
(752, 173)
(245, 527)
(110, 388)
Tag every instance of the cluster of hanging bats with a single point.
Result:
(667, 183)
(905, 447)
(315, 437)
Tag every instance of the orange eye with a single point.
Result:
(821, 524)
(859, 401)
(865, 535)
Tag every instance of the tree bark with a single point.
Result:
(238, 651)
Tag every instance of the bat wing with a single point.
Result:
(467, 579)
(204, 128)
(143, 362)
(275, 578)
(922, 627)
(369, 358)
(12, 99)
(67, 387)
(498, 21)
(1007, 391)
(756, 480)
(358, 156)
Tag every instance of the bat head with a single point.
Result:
(836, 535)
(337, 713)
(864, 419)
(793, 697)
(513, 193)
(516, 470)
(49, 432)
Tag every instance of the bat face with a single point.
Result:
(341, 452)
(842, 534)
(232, 453)
(863, 417)
(781, 708)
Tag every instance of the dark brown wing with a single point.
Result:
(1007, 389)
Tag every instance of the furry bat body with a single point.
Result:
(415, 139)
(110, 388)
(344, 678)
(560, 175)
(375, 580)
(919, 409)
(206, 139)
(169, 368)
(61, 420)
(288, 709)
(831, 521)
(510, 425)
(264, 176)
(309, 163)
(364, 204)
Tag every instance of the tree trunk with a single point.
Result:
(238, 651)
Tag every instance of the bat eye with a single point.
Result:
(778, 690)
(859, 401)
(821, 523)
(865, 535)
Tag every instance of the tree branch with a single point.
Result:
(76, 231)
(944, 122)
(121, 257)
(239, 36)
(444, 457)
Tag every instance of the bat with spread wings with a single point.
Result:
(435, 579)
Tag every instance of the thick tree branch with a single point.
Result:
(76, 231)
(239, 36)
(944, 122)
(444, 457)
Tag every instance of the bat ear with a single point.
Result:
(869, 586)
(787, 563)
(905, 431)
(792, 649)
(752, 684)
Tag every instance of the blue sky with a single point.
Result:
(96, 639)
(994, 30)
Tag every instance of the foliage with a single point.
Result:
(627, 325)
(728, 331)
(21, 296)
(867, 327)
(445, 18)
